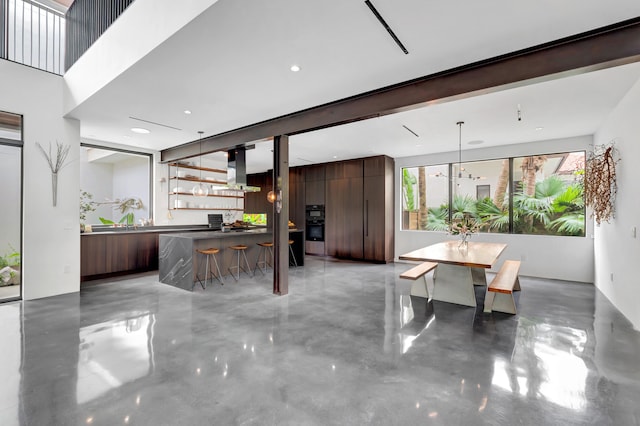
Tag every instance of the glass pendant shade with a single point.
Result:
(200, 190)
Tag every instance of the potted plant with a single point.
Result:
(410, 213)
(125, 206)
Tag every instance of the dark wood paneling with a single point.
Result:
(314, 172)
(378, 191)
(297, 197)
(103, 255)
(601, 48)
(344, 209)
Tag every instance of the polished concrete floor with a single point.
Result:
(347, 346)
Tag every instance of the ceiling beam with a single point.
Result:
(601, 48)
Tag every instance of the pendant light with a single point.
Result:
(199, 190)
(460, 168)
(459, 124)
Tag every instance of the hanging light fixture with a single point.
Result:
(459, 124)
(460, 168)
(200, 190)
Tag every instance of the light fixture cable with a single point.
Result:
(200, 190)
(459, 124)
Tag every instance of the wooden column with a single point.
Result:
(281, 215)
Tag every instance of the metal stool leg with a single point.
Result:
(206, 272)
(246, 261)
(263, 265)
(219, 277)
(293, 256)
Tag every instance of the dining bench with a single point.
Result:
(417, 272)
(499, 295)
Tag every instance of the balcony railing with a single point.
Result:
(86, 21)
(32, 34)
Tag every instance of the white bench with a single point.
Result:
(499, 295)
(416, 272)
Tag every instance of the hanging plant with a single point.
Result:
(600, 186)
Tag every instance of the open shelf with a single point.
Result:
(210, 195)
(204, 169)
(198, 208)
(195, 179)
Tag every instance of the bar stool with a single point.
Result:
(240, 248)
(265, 248)
(209, 253)
(293, 256)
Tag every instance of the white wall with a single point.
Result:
(616, 250)
(51, 243)
(563, 258)
(114, 52)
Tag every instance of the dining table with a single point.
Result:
(460, 268)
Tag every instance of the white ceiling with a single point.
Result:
(230, 67)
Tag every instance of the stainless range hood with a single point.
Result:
(237, 171)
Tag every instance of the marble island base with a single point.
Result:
(179, 262)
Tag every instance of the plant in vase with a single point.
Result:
(464, 227)
(125, 206)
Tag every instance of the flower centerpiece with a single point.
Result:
(464, 227)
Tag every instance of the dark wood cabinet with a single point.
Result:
(314, 178)
(378, 197)
(344, 223)
(110, 254)
(359, 209)
(297, 196)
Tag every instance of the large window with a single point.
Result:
(115, 186)
(538, 194)
(11, 211)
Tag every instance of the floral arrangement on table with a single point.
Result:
(464, 227)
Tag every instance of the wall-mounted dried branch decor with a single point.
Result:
(55, 164)
(600, 186)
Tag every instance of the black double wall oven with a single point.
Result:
(315, 222)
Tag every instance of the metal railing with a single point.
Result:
(32, 34)
(86, 21)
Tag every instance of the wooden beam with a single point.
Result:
(605, 47)
(281, 215)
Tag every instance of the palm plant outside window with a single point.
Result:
(536, 195)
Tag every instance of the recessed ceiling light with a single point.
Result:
(477, 142)
(539, 128)
(186, 111)
(140, 130)
(335, 156)
(295, 68)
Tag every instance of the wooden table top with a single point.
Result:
(477, 255)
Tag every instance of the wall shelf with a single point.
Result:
(198, 208)
(210, 195)
(207, 176)
(204, 169)
(196, 179)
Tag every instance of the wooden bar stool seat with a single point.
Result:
(262, 264)
(210, 255)
(240, 248)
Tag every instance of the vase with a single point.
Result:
(54, 188)
(464, 241)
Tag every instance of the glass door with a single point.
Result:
(11, 211)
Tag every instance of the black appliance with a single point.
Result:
(315, 222)
(215, 221)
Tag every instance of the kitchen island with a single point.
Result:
(179, 261)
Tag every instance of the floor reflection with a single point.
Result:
(114, 353)
(546, 363)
